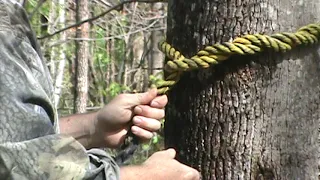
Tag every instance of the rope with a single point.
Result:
(217, 53)
(244, 45)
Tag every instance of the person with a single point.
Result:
(36, 144)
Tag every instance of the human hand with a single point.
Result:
(114, 120)
(160, 166)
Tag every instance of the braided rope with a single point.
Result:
(215, 54)
(245, 45)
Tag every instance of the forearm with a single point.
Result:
(80, 127)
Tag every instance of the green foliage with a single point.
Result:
(42, 12)
(120, 47)
(109, 53)
(100, 53)
(115, 89)
(153, 79)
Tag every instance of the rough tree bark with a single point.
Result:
(82, 50)
(250, 117)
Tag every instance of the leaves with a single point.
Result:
(116, 88)
(120, 51)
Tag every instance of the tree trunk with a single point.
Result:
(251, 117)
(62, 56)
(82, 49)
(51, 29)
(112, 56)
(156, 60)
(137, 75)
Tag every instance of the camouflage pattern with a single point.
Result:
(30, 144)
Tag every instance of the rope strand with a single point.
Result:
(217, 53)
(244, 45)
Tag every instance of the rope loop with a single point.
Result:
(248, 44)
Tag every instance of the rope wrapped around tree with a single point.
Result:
(244, 45)
(215, 54)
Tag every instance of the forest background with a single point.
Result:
(115, 51)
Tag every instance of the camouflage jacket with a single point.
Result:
(30, 144)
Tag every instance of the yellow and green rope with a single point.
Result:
(215, 54)
(244, 45)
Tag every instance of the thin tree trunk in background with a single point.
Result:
(108, 74)
(251, 117)
(127, 63)
(82, 50)
(156, 60)
(129, 38)
(138, 73)
(51, 29)
(62, 55)
(146, 61)
(71, 59)
(23, 3)
(112, 55)
(95, 84)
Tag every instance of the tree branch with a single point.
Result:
(40, 3)
(98, 16)
(24, 3)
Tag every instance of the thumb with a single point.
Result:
(171, 153)
(143, 98)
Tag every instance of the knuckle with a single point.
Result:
(122, 96)
(140, 98)
(192, 175)
(154, 113)
(145, 135)
(149, 135)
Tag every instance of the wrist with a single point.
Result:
(81, 127)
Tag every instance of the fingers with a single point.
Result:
(141, 133)
(146, 123)
(149, 97)
(149, 112)
(159, 102)
(144, 127)
(191, 174)
(169, 153)
(114, 140)
(141, 98)
(173, 168)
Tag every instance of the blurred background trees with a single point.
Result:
(93, 62)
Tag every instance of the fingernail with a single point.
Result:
(138, 110)
(134, 130)
(137, 120)
(154, 103)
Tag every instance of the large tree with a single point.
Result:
(250, 117)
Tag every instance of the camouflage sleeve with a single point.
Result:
(30, 148)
